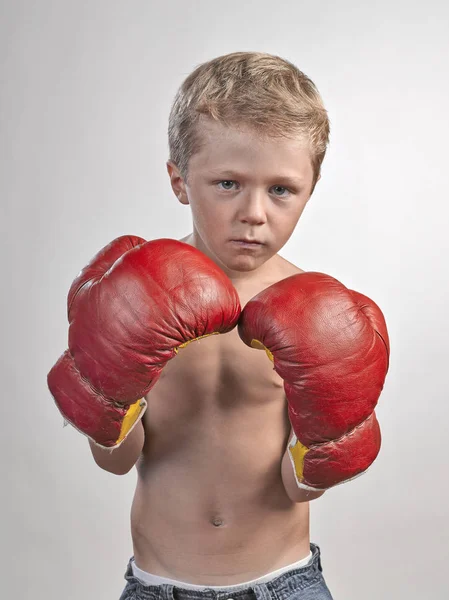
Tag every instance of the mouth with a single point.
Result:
(248, 241)
(246, 244)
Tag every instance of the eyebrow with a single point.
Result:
(235, 175)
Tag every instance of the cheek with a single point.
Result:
(211, 212)
(287, 221)
(209, 218)
(284, 224)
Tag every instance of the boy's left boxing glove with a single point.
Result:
(330, 345)
(130, 310)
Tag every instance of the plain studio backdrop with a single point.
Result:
(86, 89)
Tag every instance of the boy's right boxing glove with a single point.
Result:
(130, 310)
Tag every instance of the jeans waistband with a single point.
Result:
(280, 587)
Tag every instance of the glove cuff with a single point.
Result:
(103, 421)
(297, 453)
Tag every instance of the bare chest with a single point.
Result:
(215, 388)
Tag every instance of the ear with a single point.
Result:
(177, 182)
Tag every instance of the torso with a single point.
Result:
(210, 506)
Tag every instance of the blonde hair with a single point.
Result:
(253, 89)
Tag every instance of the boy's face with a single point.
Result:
(243, 187)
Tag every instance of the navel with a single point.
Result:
(217, 521)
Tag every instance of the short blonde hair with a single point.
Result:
(253, 89)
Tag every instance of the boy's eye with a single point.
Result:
(280, 187)
(227, 184)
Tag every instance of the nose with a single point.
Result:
(253, 210)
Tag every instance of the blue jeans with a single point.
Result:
(305, 583)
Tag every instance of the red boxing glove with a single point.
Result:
(130, 310)
(330, 345)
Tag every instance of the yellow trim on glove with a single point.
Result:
(195, 339)
(131, 417)
(259, 346)
(298, 453)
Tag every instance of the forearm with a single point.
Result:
(122, 459)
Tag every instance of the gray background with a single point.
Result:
(86, 88)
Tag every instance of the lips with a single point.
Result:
(247, 241)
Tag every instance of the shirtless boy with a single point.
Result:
(218, 511)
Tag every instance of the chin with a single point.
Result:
(242, 264)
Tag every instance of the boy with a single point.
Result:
(217, 512)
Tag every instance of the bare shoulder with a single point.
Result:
(279, 268)
(285, 268)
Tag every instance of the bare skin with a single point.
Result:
(211, 506)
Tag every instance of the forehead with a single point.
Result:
(239, 147)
